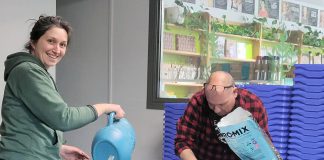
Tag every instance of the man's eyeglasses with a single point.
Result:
(218, 88)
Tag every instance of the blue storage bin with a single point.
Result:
(278, 122)
(172, 115)
(302, 125)
(307, 114)
(305, 150)
(170, 121)
(284, 156)
(307, 140)
(278, 116)
(174, 111)
(170, 131)
(275, 99)
(310, 74)
(169, 145)
(309, 89)
(307, 145)
(277, 105)
(279, 134)
(302, 137)
(282, 150)
(309, 67)
(307, 81)
(307, 95)
(306, 132)
(267, 94)
(169, 154)
(307, 107)
(307, 121)
(279, 109)
(303, 156)
(306, 101)
(279, 139)
(180, 106)
(281, 145)
(294, 157)
(276, 111)
(171, 157)
(266, 87)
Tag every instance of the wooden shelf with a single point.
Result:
(228, 59)
(186, 84)
(180, 26)
(312, 47)
(236, 36)
(275, 42)
(184, 53)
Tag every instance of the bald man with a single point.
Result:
(197, 138)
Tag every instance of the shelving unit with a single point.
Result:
(187, 84)
(236, 36)
(183, 53)
(228, 59)
(200, 61)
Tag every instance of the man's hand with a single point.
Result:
(187, 154)
(72, 153)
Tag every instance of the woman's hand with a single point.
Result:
(107, 108)
(72, 153)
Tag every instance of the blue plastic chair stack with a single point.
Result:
(172, 112)
(307, 114)
(277, 101)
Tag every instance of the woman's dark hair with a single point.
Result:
(43, 24)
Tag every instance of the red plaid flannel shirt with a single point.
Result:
(196, 130)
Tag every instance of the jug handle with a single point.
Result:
(111, 118)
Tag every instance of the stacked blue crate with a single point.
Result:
(172, 112)
(306, 139)
(277, 101)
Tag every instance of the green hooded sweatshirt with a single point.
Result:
(33, 112)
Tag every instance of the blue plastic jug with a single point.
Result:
(116, 141)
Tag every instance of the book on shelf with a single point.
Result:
(168, 40)
(241, 50)
(231, 48)
(220, 47)
(185, 43)
(235, 49)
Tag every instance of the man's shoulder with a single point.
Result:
(198, 97)
(249, 100)
(247, 94)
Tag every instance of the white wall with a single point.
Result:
(15, 27)
(129, 75)
(84, 70)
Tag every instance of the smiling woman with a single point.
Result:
(51, 47)
(49, 42)
(34, 113)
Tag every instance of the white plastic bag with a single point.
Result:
(244, 136)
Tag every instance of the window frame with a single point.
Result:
(153, 101)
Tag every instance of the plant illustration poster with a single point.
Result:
(236, 5)
(309, 16)
(222, 4)
(269, 9)
(290, 11)
(248, 6)
(322, 19)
